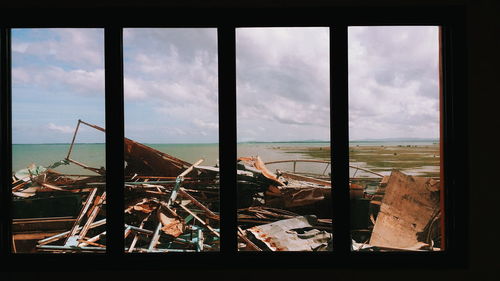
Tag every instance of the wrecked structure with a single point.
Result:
(173, 206)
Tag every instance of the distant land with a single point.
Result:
(358, 140)
(397, 140)
(301, 141)
(297, 141)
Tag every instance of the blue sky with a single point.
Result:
(57, 78)
(171, 84)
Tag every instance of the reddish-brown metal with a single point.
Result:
(144, 160)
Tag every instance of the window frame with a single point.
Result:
(338, 19)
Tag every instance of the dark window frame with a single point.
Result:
(450, 18)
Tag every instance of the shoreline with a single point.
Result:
(421, 160)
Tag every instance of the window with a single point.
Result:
(57, 79)
(283, 116)
(171, 110)
(394, 137)
(337, 20)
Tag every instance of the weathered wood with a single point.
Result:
(76, 226)
(156, 237)
(197, 203)
(409, 205)
(139, 230)
(92, 240)
(191, 168)
(307, 179)
(33, 236)
(65, 234)
(384, 181)
(93, 215)
(95, 170)
(74, 138)
(201, 239)
(200, 220)
(136, 236)
(87, 242)
(241, 234)
(66, 248)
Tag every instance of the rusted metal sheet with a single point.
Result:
(295, 234)
(296, 197)
(144, 160)
(409, 206)
(304, 197)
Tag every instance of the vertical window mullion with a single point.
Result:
(6, 142)
(339, 131)
(113, 38)
(227, 136)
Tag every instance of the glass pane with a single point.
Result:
(58, 181)
(283, 115)
(394, 134)
(171, 145)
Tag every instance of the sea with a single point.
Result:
(93, 154)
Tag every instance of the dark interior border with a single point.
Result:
(451, 18)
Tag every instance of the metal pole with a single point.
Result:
(73, 141)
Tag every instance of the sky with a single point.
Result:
(171, 84)
(393, 82)
(283, 84)
(57, 78)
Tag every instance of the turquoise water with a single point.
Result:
(46, 154)
(94, 154)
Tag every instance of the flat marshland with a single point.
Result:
(414, 159)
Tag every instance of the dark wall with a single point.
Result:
(483, 46)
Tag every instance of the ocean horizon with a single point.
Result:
(93, 154)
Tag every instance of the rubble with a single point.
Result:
(173, 206)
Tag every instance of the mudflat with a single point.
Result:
(421, 160)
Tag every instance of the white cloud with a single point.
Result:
(393, 82)
(173, 72)
(51, 77)
(62, 59)
(60, 129)
(205, 125)
(133, 89)
(76, 46)
(283, 83)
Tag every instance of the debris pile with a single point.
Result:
(282, 211)
(173, 206)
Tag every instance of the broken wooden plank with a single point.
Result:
(156, 237)
(200, 220)
(76, 226)
(409, 205)
(93, 215)
(65, 234)
(207, 211)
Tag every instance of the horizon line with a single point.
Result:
(242, 142)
